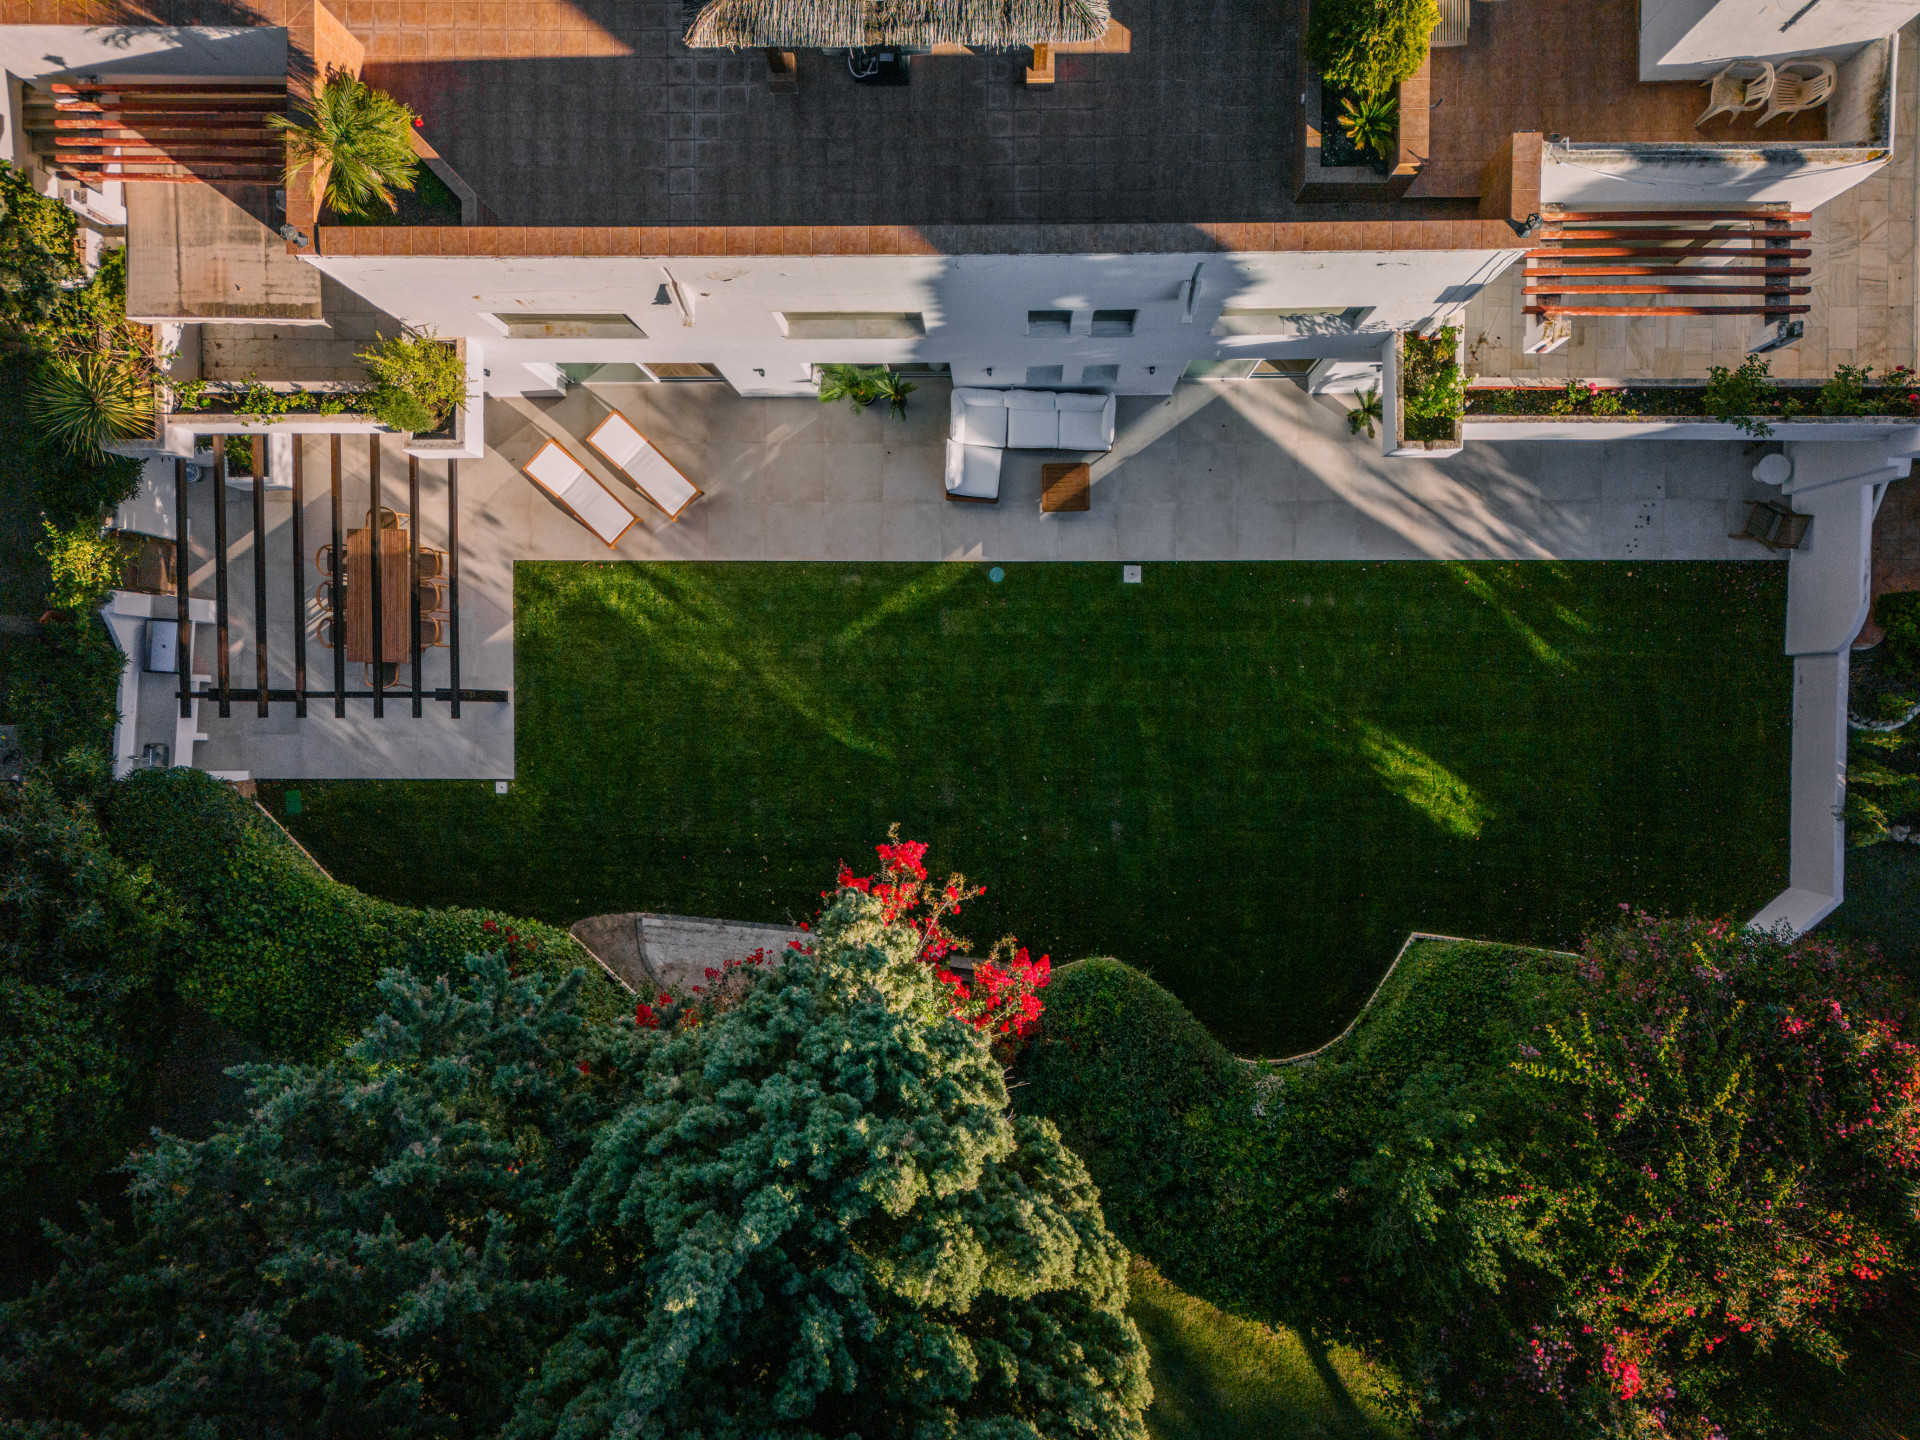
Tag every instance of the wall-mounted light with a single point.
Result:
(989, 369)
(1152, 368)
(291, 234)
(761, 373)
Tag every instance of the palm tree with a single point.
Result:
(358, 140)
(1370, 120)
(88, 401)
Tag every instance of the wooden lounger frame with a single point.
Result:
(621, 470)
(547, 490)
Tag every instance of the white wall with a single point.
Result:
(975, 308)
(1675, 176)
(145, 52)
(1691, 39)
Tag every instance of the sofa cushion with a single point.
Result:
(973, 471)
(1086, 421)
(979, 417)
(1032, 422)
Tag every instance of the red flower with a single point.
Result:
(645, 1016)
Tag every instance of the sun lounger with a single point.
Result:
(579, 491)
(652, 474)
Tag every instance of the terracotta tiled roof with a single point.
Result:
(702, 240)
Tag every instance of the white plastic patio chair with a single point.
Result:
(1744, 85)
(1799, 85)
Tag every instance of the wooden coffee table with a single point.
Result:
(1066, 486)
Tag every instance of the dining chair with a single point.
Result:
(389, 519)
(432, 562)
(433, 596)
(323, 594)
(323, 632)
(390, 673)
(433, 632)
(323, 559)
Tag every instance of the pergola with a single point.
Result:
(223, 692)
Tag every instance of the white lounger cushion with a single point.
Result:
(574, 486)
(633, 454)
(1086, 421)
(1032, 421)
(973, 471)
(979, 417)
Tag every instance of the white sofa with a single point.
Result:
(986, 422)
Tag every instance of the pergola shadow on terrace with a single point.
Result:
(349, 611)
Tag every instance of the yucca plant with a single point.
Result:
(88, 401)
(1370, 120)
(358, 138)
(894, 390)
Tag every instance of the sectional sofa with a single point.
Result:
(988, 423)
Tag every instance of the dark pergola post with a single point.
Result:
(260, 569)
(413, 570)
(299, 580)
(373, 561)
(333, 596)
(453, 583)
(220, 562)
(183, 641)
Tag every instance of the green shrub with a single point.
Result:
(85, 563)
(1165, 1120)
(65, 691)
(1433, 390)
(1369, 46)
(1899, 651)
(1740, 396)
(421, 381)
(284, 955)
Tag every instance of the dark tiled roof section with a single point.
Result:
(530, 242)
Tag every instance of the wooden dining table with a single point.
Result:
(396, 614)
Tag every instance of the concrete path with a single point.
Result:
(1246, 470)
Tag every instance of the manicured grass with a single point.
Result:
(1251, 780)
(1217, 1377)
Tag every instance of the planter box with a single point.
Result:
(1393, 439)
(1315, 183)
(1898, 429)
(464, 437)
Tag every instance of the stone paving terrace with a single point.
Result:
(604, 118)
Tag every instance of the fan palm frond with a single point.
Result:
(358, 138)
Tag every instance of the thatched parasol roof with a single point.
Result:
(811, 24)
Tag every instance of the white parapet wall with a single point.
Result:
(1828, 595)
(1133, 323)
(1693, 39)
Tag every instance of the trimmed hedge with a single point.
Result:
(283, 954)
(1228, 1176)
(1165, 1119)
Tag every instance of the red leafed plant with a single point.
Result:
(1003, 998)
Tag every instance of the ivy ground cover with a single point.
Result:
(1251, 780)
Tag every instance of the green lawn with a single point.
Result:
(1216, 1377)
(1251, 780)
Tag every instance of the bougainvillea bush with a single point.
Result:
(1646, 1190)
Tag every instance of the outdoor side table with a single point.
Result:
(1066, 487)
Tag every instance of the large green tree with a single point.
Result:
(805, 1212)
